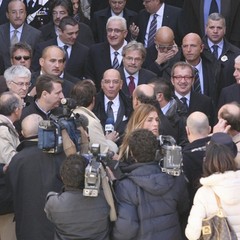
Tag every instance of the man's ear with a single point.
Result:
(187, 130)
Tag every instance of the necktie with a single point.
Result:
(213, 7)
(14, 38)
(184, 101)
(109, 110)
(115, 61)
(131, 85)
(196, 85)
(215, 51)
(152, 30)
(65, 47)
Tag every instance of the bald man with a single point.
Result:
(163, 54)
(207, 69)
(229, 118)
(197, 132)
(143, 93)
(30, 125)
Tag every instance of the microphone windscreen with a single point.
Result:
(71, 103)
(81, 120)
(109, 125)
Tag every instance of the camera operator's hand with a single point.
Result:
(114, 136)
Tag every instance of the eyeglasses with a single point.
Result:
(162, 47)
(130, 59)
(22, 84)
(115, 30)
(114, 81)
(187, 78)
(18, 58)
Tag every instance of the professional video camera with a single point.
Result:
(170, 155)
(94, 170)
(50, 131)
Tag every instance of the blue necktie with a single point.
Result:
(115, 61)
(152, 30)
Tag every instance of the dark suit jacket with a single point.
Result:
(229, 94)
(3, 10)
(2, 66)
(85, 35)
(226, 60)
(3, 85)
(171, 17)
(202, 103)
(29, 35)
(144, 77)
(193, 18)
(98, 62)
(76, 64)
(124, 110)
(66, 86)
(99, 21)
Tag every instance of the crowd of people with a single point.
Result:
(135, 70)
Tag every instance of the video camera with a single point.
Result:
(170, 155)
(93, 171)
(50, 131)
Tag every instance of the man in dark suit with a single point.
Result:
(76, 53)
(38, 12)
(225, 52)
(207, 68)
(121, 104)
(3, 10)
(52, 62)
(132, 72)
(182, 79)
(103, 56)
(16, 30)
(60, 9)
(163, 54)
(231, 93)
(195, 13)
(164, 14)
(99, 20)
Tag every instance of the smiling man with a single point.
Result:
(132, 72)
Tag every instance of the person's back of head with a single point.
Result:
(72, 172)
(143, 145)
(220, 154)
(30, 125)
(84, 93)
(197, 126)
(9, 103)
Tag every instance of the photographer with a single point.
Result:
(74, 215)
(151, 204)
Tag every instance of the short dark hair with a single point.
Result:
(45, 83)
(163, 86)
(143, 145)
(9, 102)
(67, 4)
(72, 171)
(21, 45)
(15, 1)
(84, 92)
(219, 159)
(67, 21)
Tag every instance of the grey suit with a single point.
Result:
(29, 35)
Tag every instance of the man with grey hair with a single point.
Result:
(109, 53)
(216, 43)
(11, 106)
(197, 129)
(132, 73)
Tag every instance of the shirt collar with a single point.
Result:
(210, 44)
(187, 96)
(19, 29)
(119, 50)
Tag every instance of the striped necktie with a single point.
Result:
(196, 85)
(115, 61)
(152, 30)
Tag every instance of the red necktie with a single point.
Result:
(131, 85)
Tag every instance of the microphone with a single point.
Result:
(69, 102)
(81, 120)
(109, 125)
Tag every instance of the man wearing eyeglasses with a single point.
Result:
(182, 78)
(103, 56)
(163, 54)
(99, 20)
(132, 72)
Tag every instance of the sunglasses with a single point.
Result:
(18, 58)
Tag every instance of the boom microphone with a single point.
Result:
(81, 121)
(69, 102)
